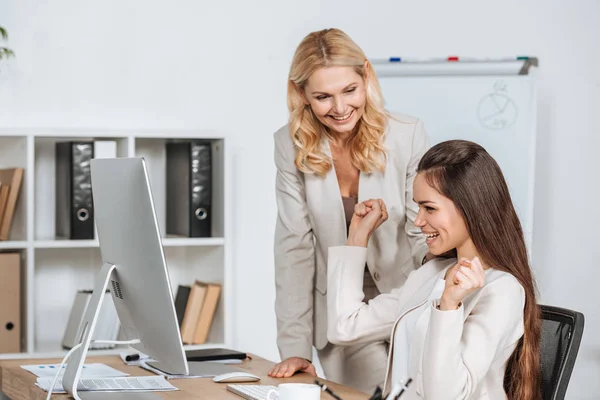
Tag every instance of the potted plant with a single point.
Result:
(4, 51)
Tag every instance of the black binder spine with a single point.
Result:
(74, 204)
(189, 188)
(201, 212)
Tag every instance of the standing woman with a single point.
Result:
(339, 147)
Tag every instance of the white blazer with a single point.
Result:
(311, 219)
(454, 355)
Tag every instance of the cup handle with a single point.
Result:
(273, 392)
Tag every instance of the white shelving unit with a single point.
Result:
(53, 270)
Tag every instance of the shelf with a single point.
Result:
(12, 244)
(186, 242)
(65, 244)
(164, 134)
(49, 261)
(78, 244)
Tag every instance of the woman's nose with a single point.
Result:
(339, 105)
(419, 220)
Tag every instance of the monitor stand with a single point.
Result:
(86, 329)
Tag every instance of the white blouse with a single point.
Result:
(404, 334)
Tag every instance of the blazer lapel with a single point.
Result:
(325, 200)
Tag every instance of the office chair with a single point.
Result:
(562, 330)
(560, 338)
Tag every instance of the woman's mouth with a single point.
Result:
(430, 237)
(342, 118)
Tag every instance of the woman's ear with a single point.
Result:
(293, 86)
(301, 93)
(367, 70)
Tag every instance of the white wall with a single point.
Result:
(223, 65)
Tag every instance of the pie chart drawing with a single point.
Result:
(497, 111)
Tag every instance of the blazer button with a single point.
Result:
(376, 276)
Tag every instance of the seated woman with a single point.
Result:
(457, 323)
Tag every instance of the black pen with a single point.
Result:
(403, 388)
(132, 357)
(327, 390)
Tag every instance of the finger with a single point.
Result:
(462, 280)
(465, 261)
(384, 216)
(384, 213)
(284, 368)
(476, 263)
(290, 370)
(372, 210)
(452, 274)
(471, 276)
(274, 371)
(360, 209)
(373, 203)
(478, 268)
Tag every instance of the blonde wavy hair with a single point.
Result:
(333, 48)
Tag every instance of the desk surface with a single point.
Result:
(19, 384)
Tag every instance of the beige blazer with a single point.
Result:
(454, 355)
(311, 219)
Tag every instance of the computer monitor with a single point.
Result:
(134, 269)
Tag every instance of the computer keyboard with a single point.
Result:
(251, 392)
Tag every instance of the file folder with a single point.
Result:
(189, 188)
(13, 177)
(74, 206)
(10, 298)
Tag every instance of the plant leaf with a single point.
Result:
(6, 53)
(3, 33)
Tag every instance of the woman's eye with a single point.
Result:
(321, 98)
(351, 90)
(429, 209)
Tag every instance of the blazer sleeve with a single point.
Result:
(458, 352)
(294, 257)
(349, 319)
(416, 239)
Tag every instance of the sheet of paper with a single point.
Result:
(129, 384)
(94, 370)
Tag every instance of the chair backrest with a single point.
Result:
(562, 330)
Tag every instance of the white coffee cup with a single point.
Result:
(295, 391)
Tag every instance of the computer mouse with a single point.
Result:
(236, 377)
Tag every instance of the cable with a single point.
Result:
(66, 357)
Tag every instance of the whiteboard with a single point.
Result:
(497, 111)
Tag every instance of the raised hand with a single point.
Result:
(368, 216)
(461, 280)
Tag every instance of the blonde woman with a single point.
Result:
(340, 147)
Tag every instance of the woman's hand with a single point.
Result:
(461, 280)
(290, 366)
(368, 216)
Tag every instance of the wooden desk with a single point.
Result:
(19, 384)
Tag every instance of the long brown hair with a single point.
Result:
(466, 174)
(333, 48)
